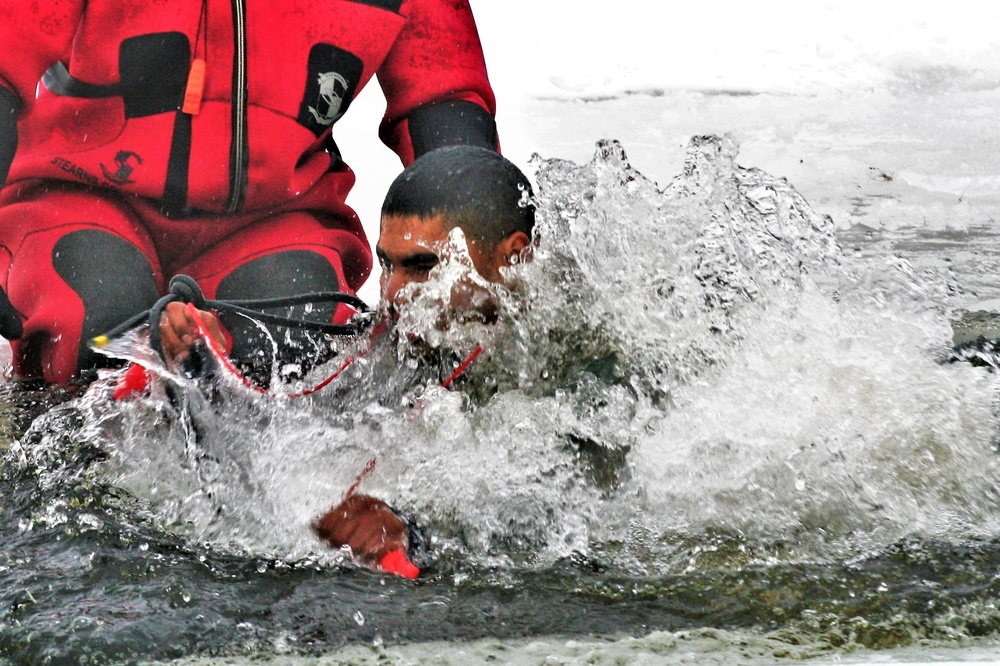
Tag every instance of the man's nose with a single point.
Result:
(392, 282)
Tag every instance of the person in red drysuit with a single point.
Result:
(140, 139)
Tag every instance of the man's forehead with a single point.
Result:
(406, 230)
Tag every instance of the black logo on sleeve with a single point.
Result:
(331, 81)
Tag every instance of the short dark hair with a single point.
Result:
(477, 189)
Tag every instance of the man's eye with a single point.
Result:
(425, 267)
(421, 266)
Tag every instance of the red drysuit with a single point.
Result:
(114, 188)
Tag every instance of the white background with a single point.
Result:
(543, 49)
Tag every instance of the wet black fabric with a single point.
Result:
(175, 189)
(455, 123)
(112, 278)
(391, 5)
(154, 70)
(8, 131)
(10, 322)
(274, 276)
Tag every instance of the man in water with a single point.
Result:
(473, 189)
(140, 140)
(488, 198)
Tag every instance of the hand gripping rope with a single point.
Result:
(184, 289)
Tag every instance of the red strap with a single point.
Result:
(465, 364)
(369, 466)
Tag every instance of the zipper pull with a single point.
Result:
(195, 88)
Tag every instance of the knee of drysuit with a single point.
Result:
(256, 346)
(112, 279)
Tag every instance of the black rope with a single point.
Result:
(184, 289)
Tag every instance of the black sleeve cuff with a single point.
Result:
(419, 551)
(454, 123)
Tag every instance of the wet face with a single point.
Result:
(408, 248)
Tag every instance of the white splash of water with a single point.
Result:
(680, 371)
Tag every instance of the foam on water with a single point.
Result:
(685, 377)
(693, 411)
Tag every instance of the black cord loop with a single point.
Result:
(184, 289)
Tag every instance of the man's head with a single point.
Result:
(475, 189)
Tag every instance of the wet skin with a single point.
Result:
(367, 525)
(407, 250)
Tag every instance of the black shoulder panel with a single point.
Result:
(332, 78)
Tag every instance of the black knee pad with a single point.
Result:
(11, 327)
(288, 273)
(110, 275)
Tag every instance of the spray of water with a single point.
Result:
(680, 377)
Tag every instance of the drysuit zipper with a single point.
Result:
(238, 153)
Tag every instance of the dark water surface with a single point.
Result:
(725, 415)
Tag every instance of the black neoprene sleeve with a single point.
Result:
(8, 131)
(454, 123)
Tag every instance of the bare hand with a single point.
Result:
(367, 525)
(178, 331)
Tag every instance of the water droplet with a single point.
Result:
(359, 618)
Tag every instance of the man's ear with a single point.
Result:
(511, 248)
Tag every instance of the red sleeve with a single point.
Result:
(33, 36)
(436, 58)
